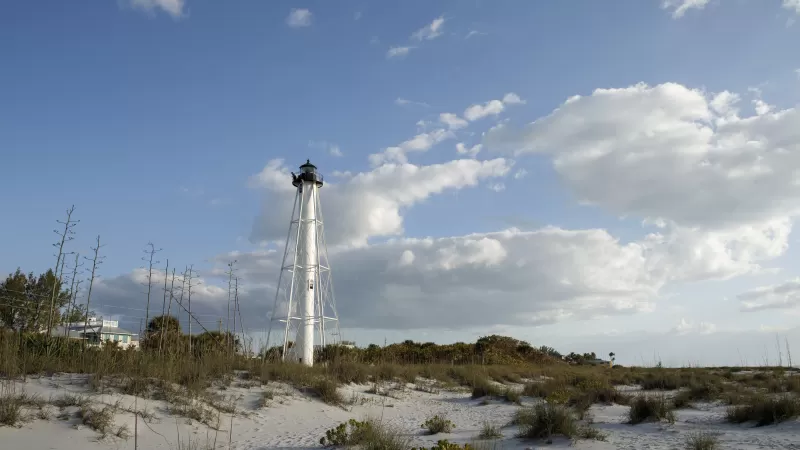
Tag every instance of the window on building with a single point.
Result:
(124, 339)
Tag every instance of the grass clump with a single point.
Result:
(327, 391)
(702, 440)
(696, 392)
(544, 421)
(266, 396)
(482, 387)
(765, 410)
(100, 420)
(10, 411)
(490, 431)
(12, 402)
(654, 408)
(367, 435)
(438, 424)
(66, 400)
(512, 396)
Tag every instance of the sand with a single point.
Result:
(293, 420)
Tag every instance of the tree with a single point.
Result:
(77, 314)
(28, 303)
(168, 324)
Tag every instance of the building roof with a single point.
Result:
(76, 331)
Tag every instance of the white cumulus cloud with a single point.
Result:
(367, 204)
(492, 107)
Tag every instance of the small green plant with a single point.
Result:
(368, 435)
(650, 408)
(490, 431)
(702, 440)
(444, 444)
(351, 432)
(438, 424)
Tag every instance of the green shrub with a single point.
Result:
(650, 408)
(444, 444)
(438, 424)
(367, 435)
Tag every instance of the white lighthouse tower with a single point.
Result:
(304, 308)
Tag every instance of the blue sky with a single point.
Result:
(154, 117)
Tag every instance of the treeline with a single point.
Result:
(494, 349)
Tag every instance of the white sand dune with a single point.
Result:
(292, 420)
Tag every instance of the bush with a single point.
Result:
(702, 441)
(650, 408)
(490, 431)
(764, 410)
(444, 444)
(327, 391)
(367, 435)
(438, 424)
(545, 420)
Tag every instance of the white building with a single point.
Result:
(98, 331)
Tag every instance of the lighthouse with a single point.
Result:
(304, 308)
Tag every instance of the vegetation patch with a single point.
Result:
(438, 424)
(544, 421)
(102, 421)
(490, 431)
(327, 391)
(702, 440)
(650, 408)
(369, 434)
(765, 410)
